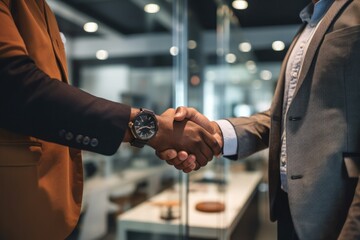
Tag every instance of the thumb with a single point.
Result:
(180, 114)
(193, 115)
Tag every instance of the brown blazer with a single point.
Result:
(43, 122)
(323, 129)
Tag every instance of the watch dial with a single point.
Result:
(145, 126)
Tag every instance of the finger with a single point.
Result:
(189, 169)
(183, 155)
(197, 167)
(176, 161)
(180, 113)
(193, 115)
(203, 156)
(187, 165)
(211, 143)
(209, 148)
(192, 157)
(167, 154)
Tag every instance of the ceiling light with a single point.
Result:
(102, 54)
(240, 4)
(230, 58)
(174, 51)
(278, 46)
(91, 27)
(265, 75)
(245, 47)
(192, 44)
(151, 8)
(251, 66)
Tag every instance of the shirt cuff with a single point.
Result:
(229, 137)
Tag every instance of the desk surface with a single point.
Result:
(236, 195)
(124, 178)
(98, 190)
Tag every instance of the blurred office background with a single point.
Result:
(220, 56)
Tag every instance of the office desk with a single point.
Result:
(98, 189)
(237, 195)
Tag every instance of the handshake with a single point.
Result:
(186, 139)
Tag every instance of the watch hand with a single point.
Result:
(141, 128)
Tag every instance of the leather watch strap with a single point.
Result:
(138, 143)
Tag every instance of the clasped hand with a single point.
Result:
(186, 139)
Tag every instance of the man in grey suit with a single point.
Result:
(312, 128)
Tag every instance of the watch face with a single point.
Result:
(145, 126)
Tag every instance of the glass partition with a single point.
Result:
(159, 55)
(223, 196)
(137, 56)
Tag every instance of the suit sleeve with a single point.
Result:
(352, 224)
(31, 103)
(252, 133)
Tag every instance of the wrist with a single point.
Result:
(128, 135)
(155, 141)
(218, 134)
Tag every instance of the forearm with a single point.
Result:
(252, 134)
(31, 103)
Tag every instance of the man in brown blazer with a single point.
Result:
(44, 121)
(312, 129)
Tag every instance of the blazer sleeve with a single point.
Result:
(351, 227)
(252, 133)
(33, 104)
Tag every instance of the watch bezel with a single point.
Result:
(134, 131)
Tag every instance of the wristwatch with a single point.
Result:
(143, 127)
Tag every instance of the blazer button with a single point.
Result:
(94, 142)
(62, 132)
(86, 140)
(69, 136)
(79, 138)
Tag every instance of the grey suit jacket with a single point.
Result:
(323, 131)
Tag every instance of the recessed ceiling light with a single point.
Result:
(251, 66)
(102, 54)
(245, 47)
(174, 51)
(265, 75)
(91, 27)
(278, 45)
(151, 8)
(240, 4)
(230, 58)
(192, 44)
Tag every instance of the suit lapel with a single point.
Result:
(328, 19)
(41, 8)
(57, 43)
